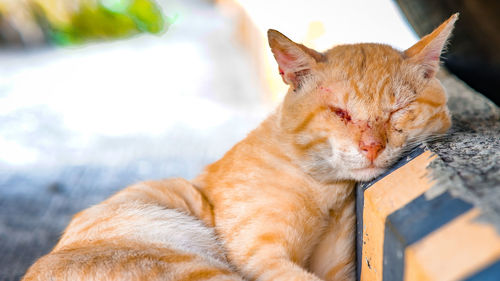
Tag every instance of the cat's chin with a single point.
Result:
(366, 174)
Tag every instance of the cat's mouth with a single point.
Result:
(368, 168)
(367, 173)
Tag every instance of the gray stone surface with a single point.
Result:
(469, 156)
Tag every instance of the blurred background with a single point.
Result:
(99, 94)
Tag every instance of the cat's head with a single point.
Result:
(353, 110)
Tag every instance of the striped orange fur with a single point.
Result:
(280, 204)
(148, 231)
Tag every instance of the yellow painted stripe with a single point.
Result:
(454, 251)
(380, 200)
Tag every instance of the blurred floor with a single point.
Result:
(78, 124)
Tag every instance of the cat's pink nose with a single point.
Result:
(371, 150)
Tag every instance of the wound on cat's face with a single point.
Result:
(354, 109)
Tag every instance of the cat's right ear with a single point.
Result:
(294, 60)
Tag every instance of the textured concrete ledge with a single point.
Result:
(435, 215)
(468, 166)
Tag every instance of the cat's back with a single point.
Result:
(142, 233)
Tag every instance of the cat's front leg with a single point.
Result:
(334, 258)
(268, 246)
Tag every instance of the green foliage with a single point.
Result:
(146, 16)
(109, 19)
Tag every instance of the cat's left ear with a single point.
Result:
(427, 51)
(295, 61)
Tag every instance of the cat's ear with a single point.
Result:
(294, 60)
(427, 51)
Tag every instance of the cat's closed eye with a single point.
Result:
(397, 110)
(341, 113)
(396, 113)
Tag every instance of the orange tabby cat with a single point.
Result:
(281, 200)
